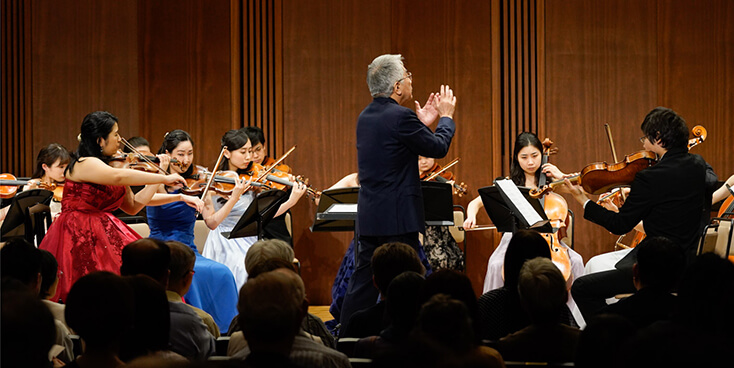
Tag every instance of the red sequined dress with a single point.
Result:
(87, 237)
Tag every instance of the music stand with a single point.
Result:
(438, 203)
(505, 214)
(337, 210)
(262, 209)
(15, 224)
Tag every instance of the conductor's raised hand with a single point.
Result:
(446, 102)
(429, 112)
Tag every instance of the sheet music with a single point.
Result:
(526, 209)
(342, 208)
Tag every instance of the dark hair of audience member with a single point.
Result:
(21, 260)
(660, 263)
(706, 295)
(152, 321)
(445, 322)
(392, 259)
(99, 308)
(404, 301)
(49, 273)
(271, 308)
(182, 262)
(269, 265)
(542, 290)
(600, 343)
(524, 245)
(456, 285)
(148, 257)
(27, 326)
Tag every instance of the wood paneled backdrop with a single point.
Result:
(297, 69)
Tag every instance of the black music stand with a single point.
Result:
(18, 222)
(504, 212)
(438, 203)
(262, 209)
(337, 210)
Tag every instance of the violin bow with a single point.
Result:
(142, 156)
(211, 179)
(437, 173)
(276, 163)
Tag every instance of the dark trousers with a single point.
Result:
(591, 291)
(361, 292)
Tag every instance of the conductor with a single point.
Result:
(390, 138)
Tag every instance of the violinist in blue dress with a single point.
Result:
(172, 216)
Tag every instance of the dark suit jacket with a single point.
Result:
(389, 139)
(672, 198)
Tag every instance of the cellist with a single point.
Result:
(672, 198)
(525, 170)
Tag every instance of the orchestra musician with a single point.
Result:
(86, 237)
(525, 170)
(275, 228)
(672, 198)
(231, 252)
(51, 163)
(172, 216)
(389, 139)
(438, 243)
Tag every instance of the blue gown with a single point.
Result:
(213, 287)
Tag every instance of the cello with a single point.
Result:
(556, 209)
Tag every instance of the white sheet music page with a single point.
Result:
(342, 208)
(526, 209)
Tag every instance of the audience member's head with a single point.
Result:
(22, 261)
(404, 300)
(151, 326)
(456, 285)
(49, 274)
(446, 323)
(706, 294)
(270, 265)
(27, 326)
(660, 263)
(601, 341)
(263, 250)
(392, 259)
(182, 263)
(525, 245)
(147, 256)
(542, 290)
(99, 308)
(272, 307)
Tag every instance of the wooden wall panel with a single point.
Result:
(85, 58)
(327, 46)
(16, 149)
(696, 73)
(185, 73)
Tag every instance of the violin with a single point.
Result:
(277, 179)
(56, 188)
(441, 175)
(556, 209)
(223, 183)
(9, 185)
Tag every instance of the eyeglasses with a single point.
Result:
(409, 76)
(255, 150)
(642, 139)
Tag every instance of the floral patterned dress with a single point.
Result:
(87, 237)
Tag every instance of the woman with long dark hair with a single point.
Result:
(525, 171)
(87, 237)
(231, 252)
(213, 288)
(51, 164)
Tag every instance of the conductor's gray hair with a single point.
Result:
(383, 73)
